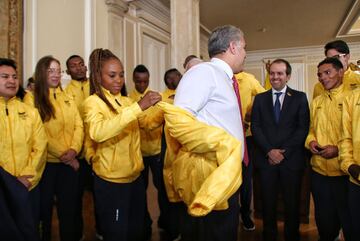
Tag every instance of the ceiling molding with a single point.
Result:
(350, 19)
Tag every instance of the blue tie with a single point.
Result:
(277, 106)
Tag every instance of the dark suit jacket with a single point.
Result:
(288, 134)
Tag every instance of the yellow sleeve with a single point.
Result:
(89, 149)
(89, 146)
(102, 129)
(318, 90)
(29, 99)
(36, 162)
(346, 141)
(311, 135)
(78, 136)
(151, 119)
(256, 87)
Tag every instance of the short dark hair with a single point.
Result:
(340, 46)
(7, 62)
(187, 59)
(287, 64)
(335, 62)
(72, 57)
(169, 71)
(141, 69)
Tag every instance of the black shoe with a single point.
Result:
(248, 224)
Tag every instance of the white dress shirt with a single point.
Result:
(206, 91)
(281, 98)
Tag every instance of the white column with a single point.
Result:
(185, 30)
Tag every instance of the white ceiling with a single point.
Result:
(272, 24)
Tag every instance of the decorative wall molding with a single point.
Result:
(117, 7)
(154, 12)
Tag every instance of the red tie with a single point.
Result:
(236, 88)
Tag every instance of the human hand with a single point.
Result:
(315, 148)
(68, 156)
(149, 99)
(329, 151)
(275, 156)
(354, 171)
(25, 180)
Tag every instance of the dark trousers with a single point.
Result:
(86, 183)
(216, 226)
(331, 206)
(170, 213)
(247, 182)
(34, 196)
(272, 180)
(121, 209)
(60, 181)
(354, 201)
(154, 163)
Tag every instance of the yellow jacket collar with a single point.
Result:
(109, 95)
(9, 101)
(336, 90)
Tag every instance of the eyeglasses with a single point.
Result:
(55, 71)
(338, 56)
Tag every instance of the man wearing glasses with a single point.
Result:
(340, 50)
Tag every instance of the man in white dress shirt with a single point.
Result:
(207, 91)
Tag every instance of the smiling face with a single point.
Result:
(112, 76)
(329, 76)
(9, 83)
(278, 76)
(54, 74)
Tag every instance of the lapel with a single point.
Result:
(270, 105)
(287, 100)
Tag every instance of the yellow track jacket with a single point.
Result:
(351, 81)
(248, 88)
(350, 135)
(325, 127)
(22, 140)
(166, 94)
(65, 131)
(150, 138)
(79, 90)
(115, 147)
(202, 166)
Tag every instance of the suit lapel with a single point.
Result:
(270, 105)
(286, 103)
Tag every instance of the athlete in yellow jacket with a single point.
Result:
(328, 181)
(111, 121)
(150, 138)
(23, 147)
(249, 87)
(64, 130)
(22, 135)
(350, 154)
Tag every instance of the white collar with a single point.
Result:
(224, 66)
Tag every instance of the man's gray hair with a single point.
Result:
(221, 37)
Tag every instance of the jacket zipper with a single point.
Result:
(11, 138)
